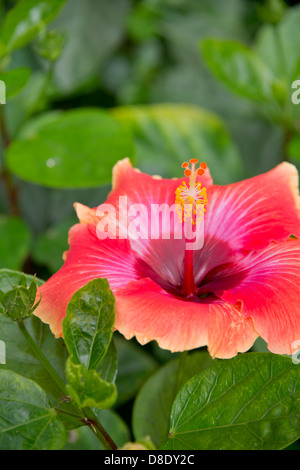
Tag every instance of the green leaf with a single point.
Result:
(15, 80)
(249, 402)
(87, 388)
(135, 366)
(73, 149)
(288, 35)
(108, 367)
(278, 47)
(27, 420)
(239, 68)
(23, 22)
(165, 135)
(14, 242)
(152, 408)
(293, 150)
(83, 439)
(88, 325)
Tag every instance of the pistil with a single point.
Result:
(191, 201)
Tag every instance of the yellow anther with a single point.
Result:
(191, 200)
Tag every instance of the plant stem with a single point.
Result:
(90, 418)
(99, 430)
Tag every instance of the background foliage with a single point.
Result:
(89, 83)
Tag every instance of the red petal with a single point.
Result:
(87, 259)
(268, 285)
(146, 311)
(250, 214)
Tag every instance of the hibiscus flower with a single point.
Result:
(244, 281)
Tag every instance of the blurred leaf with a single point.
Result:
(83, 439)
(271, 11)
(167, 134)
(288, 35)
(88, 325)
(92, 30)
(152, 408)
(15, 80)
(249, 402)
(135, 366)
(27, 421)
(50, 45)
(239, 68)
(73, 149)
(25, 20)
(14, 242)
(49, 247)
(293, 150)
(87, 388)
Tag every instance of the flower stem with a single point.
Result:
(90, 418)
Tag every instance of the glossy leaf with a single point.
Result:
(152, 408)
(239, 68)
(87, 388)
(14, 242)
(165, 135)
(108, 367)
(88, 325)
(23, 22)
(249, 402)
(27, 420)
(74, 149)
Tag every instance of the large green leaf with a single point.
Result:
(27, 420)
(239, 68)
(249, 402)
(76, 148)
(166, 135)
(14, 242)
(88, 325)
(25, 20)
(152, 408)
